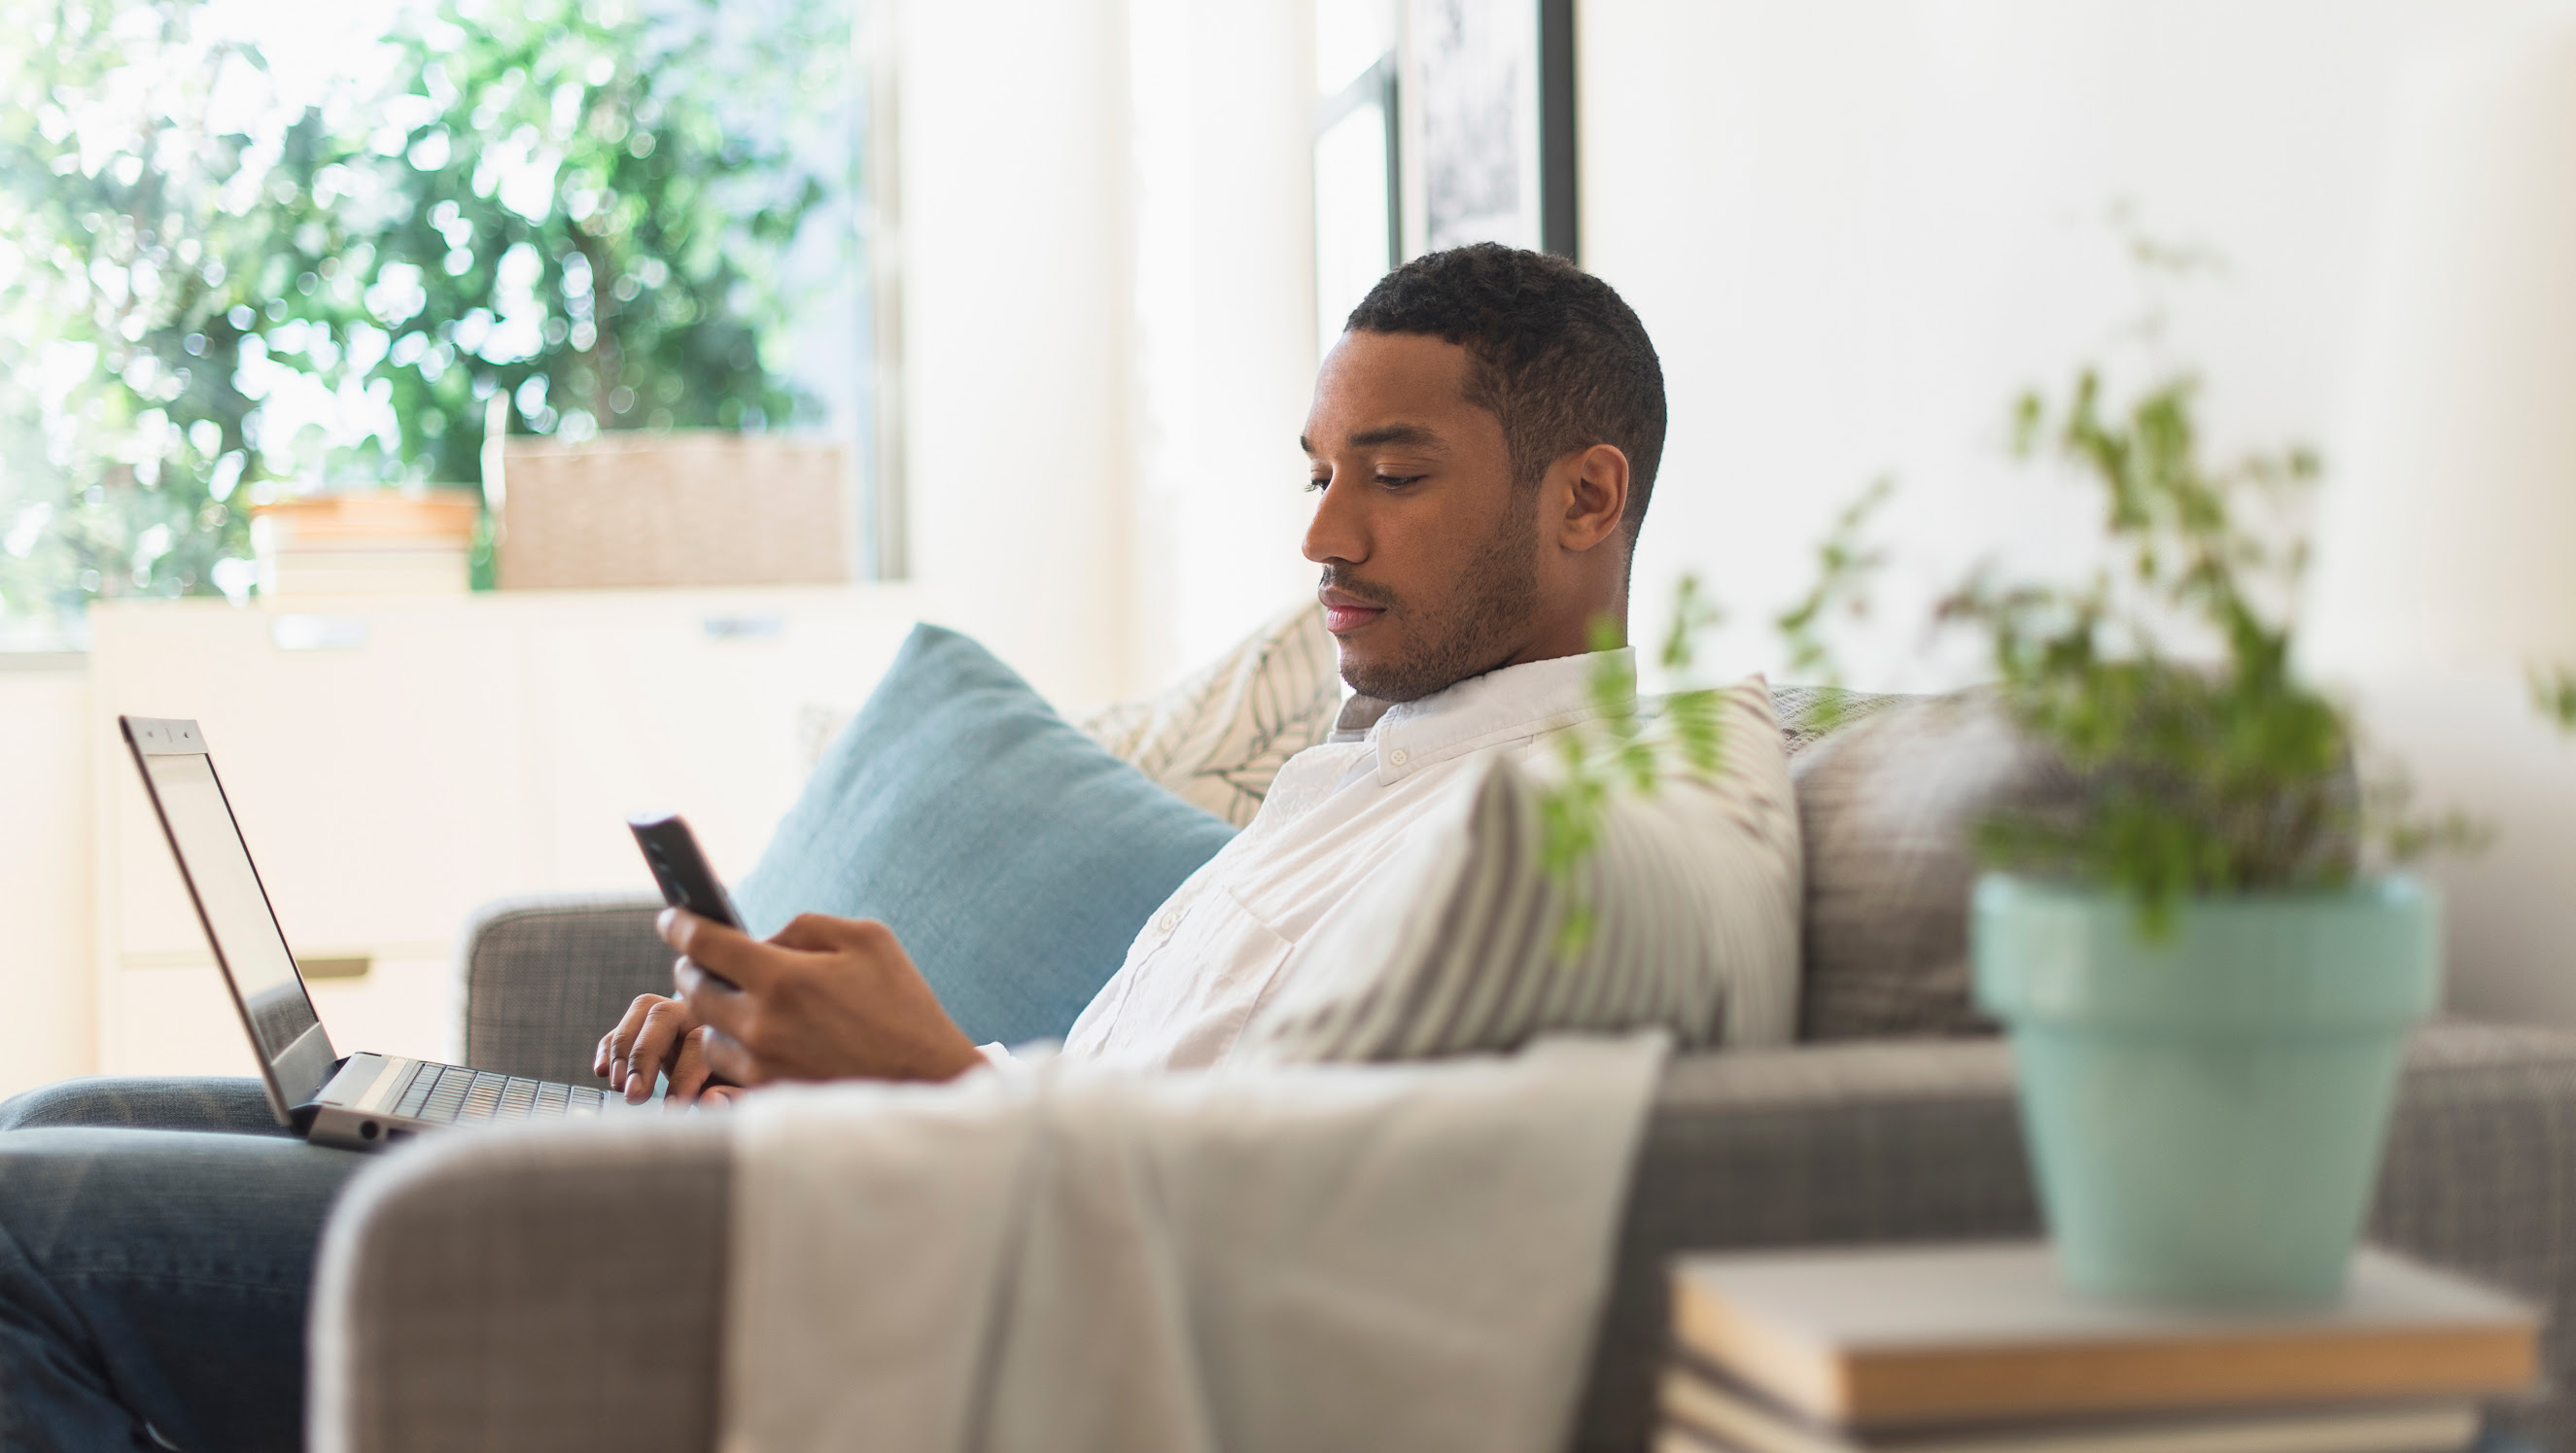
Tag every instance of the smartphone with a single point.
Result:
(671, 850)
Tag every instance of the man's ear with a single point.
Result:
(1595, 492)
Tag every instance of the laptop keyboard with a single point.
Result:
(453, 1094)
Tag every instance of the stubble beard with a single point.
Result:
(1496, 598)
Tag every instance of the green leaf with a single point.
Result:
(2200, 773)
(2553, 694)
(1618, 750)
(354, 244)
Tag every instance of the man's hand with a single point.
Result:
(823, 999)
(656, 1036)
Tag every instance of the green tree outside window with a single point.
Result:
(210, 294)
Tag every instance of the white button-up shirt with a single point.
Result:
(1335, 816)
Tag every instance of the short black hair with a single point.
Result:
(1559, 358)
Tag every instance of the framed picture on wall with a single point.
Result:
(1439, 123)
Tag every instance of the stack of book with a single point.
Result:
(1982, 1349)
(366, 544)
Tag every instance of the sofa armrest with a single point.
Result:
(2480, 1178)
(544, 978)
(524, 1291)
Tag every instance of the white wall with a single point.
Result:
(2472, 741)
(1016, 383)
(45, 875)
(1223, 107)
(1855, 228)
(1109, 325)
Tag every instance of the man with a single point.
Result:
(1483, 440)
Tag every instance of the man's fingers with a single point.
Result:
(627, 1039)
(729, 952)
(810, 932)
(665, 1024)
(822, 933)
(714, 1002)
(614, 1046)
(730, 1060)
(689, 1072)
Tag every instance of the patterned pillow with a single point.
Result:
(1695, 889)
(1218, 738)
(1886, 806)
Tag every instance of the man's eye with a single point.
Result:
(1316, 484)
(1399, 478)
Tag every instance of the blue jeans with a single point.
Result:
(156, 1254)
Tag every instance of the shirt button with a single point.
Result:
(1169, 922)
(1399, 757)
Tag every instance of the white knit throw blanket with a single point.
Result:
(1062, 1257)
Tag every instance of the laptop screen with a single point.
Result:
(237, 917)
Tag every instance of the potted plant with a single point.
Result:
(2204, 951)
(2204, 960)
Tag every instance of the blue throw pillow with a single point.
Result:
(1013, 857)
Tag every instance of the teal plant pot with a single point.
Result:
(2205, 1113)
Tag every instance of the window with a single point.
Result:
(248, 250)
(1439, 123)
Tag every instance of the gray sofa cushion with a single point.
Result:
(1886, 803)
(1808, 714)
(544, 978)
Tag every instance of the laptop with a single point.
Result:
(358, 1101)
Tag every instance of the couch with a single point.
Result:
(554, 1287)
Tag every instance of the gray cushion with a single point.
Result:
(1886, 804)
(1810, 713)
(545, 977)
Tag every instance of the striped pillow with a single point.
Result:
(1695, 891)
(1218, 737)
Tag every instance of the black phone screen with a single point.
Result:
(681, 870)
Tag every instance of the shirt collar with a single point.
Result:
(1512, 704)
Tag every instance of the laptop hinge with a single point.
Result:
(301, 1116)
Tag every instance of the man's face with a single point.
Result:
(1430, 553)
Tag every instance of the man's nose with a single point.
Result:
(1337, 532)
